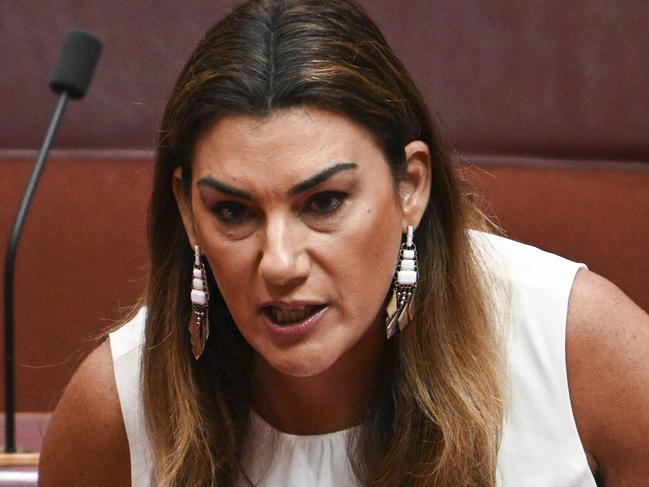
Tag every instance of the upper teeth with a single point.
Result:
(290, 315)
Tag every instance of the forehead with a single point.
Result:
(286, 146)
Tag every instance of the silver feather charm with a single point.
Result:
(404, 286)
(199, 325)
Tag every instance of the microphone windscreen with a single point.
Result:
(76, 64)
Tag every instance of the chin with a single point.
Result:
(302, 367)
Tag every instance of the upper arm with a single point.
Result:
(86, 442)
(608, 372)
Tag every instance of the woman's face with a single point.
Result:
(299, 220)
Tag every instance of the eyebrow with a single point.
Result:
(321, 177)
(305, 185)
(224, 188)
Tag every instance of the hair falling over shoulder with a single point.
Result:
(436, 418)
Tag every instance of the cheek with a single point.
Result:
(369, 258)
(234, 284)
(232, 267)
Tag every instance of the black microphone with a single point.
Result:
(76, 64)
(70, 79)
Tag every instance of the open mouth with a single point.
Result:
(287, 317)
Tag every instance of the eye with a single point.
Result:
(325, 203)
(232, 213)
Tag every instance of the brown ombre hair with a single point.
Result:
(437, 416)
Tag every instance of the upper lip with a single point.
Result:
(292, 304)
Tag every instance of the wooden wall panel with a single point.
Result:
(83, 257)
(596, 213)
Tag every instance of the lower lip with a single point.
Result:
(298, 329)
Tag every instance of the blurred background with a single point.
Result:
(545, 102)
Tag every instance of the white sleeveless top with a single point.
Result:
(540, 444)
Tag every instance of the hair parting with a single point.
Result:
(437, 414)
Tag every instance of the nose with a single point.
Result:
(284, 260)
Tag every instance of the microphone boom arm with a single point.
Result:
(10, 261)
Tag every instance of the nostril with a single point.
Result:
(283, 270)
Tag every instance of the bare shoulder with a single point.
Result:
(607, 348)
(86, 441)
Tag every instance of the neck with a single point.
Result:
(330, 401)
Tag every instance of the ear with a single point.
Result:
(184, 205)
(414, 188)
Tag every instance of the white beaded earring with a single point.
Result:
(199, 326)
(405, 283)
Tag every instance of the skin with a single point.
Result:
(313, 383)
(289, 246)
(86, 442)
(607, 346)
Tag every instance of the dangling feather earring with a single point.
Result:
(199, 326)
(405, 283)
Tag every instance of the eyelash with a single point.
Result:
(221, 208)
(335, 198)
(338, 196)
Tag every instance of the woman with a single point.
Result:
(304, 209)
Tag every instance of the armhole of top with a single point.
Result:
(126, 345)
(565, 381)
